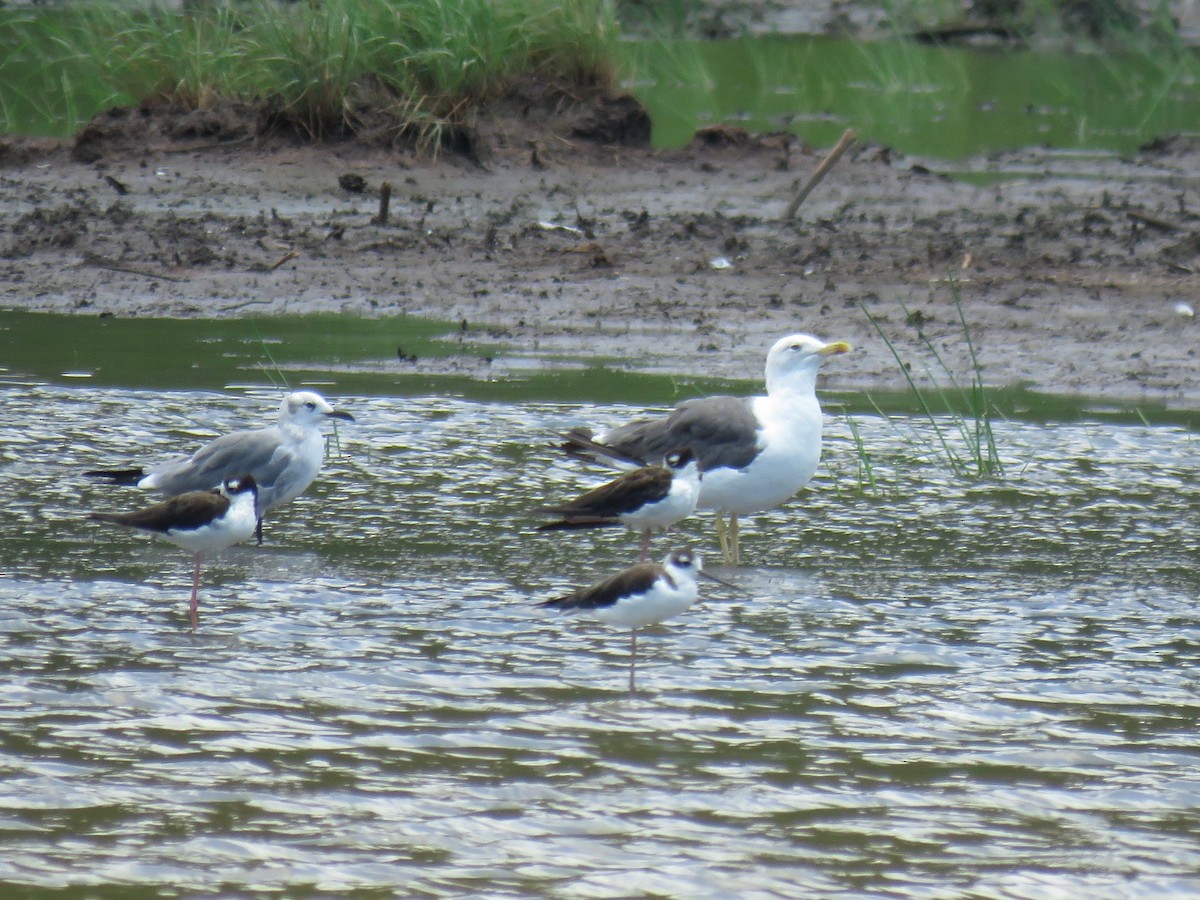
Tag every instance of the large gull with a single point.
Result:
(754, 452)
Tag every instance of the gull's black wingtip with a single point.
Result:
(126, 477)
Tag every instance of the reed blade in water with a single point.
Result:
(982, 459)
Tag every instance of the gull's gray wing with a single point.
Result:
(721, 431)
(289, 472)
(256, 453)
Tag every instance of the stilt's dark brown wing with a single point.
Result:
(626, 494)
(192, 510)
(634, 580)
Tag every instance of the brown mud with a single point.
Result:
(552, 228)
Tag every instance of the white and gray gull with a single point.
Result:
(754, 453)
(283, 458)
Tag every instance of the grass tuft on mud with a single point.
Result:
(326, 70)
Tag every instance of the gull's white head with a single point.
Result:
(793, 361)
(307, 408)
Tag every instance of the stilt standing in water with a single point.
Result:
(641, 595)
(200, 522)
(646, 498)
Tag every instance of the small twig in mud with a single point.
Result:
(101, 263)
(1154, 221)
(198, 146)
(385, 244)
(290, 255)
(385, 198)
(822, 170)
(233, 307)
(117, 186)
(535, 159)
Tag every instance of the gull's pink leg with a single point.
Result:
(645, 545)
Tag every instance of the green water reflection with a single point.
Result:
(342, 354)
(937, 101)
(337, 353)
(205, 353)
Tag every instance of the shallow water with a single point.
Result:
(933, 688)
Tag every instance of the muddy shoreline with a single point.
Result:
(1074, 272)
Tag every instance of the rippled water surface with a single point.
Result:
(931, 688)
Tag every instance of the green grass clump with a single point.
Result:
(319, 66)
(965, 406)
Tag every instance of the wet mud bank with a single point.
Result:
(1075, 273)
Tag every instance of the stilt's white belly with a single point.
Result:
(236, 525)
(679, 503)
(658, 604)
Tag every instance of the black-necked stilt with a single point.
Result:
(646, 498)
(199, 522)
(284, 458)
(641, 595)
(754, 452)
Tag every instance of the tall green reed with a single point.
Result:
(954, 409)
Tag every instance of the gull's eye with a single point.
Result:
(310, 405)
